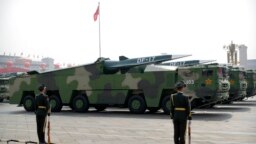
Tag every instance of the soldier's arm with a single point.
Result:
(36, 104)
(47, 104)
(188, 109)
(172, 106)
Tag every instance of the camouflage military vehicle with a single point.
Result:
(4, 88)
(238, 84)
(251, 83)
(127, 83)
(4, 85)
(207, 84)
(131, 83)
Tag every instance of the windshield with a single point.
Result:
(223, 72)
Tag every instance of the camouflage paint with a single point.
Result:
(4, 88)
(100, 88)
(251, 81)
(238, 84)
(114, 86)
(205, 82)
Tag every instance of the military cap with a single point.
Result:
(180, 84)
(41, 87)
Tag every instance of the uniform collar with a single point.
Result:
(179, 92)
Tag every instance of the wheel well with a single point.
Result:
(166, 92)
(26, 93)
(76, 93)
(54, 92)
(132, 93)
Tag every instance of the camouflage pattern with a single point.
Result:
(4, 88)
(132, 83)
(251, 81)
(206, 84)
(100, 84)
(238, 84)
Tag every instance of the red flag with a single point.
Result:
(97, 12)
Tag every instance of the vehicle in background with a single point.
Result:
(251, 83)
(207, 84)
(238, 84)
(4, 88)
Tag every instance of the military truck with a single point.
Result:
(4, 88)
(238, 84)
(207, 84)
(132, 83)
(4, 85)
(251, 83)
(127, 83)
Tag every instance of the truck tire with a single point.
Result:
(1, 99)
(100, 107)
(29, 103)
(80, 104)
(55, 103)
(166, 104)
(137, 104)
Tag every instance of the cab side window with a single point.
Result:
(207, 72)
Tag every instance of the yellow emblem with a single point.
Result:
(232, 82)
(208, 81)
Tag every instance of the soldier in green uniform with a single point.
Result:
(180, 112)
(42, 109)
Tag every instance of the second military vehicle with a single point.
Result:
(4, 85)
(251, 82)
(207, 84)
(238, 84)
(4, 88)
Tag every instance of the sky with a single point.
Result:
(65, 29)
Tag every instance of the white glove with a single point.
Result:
(189, 122)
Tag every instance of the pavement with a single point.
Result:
(223, 124)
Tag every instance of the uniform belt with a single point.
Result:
(180, 109)
(42, 107)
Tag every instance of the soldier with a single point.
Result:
(42, 109)
(180, 111)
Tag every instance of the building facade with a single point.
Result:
(12, 64)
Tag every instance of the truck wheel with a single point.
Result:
(29, 103)
(166, 104)
(100, 107)
(137, 104)
(1, 99)
(80, 104)
(153, 109)
(55, 103)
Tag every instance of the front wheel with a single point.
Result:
(166, 104)
(29, 103)
(80, 104)
(137, 104)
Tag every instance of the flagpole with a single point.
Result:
(99, 32)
